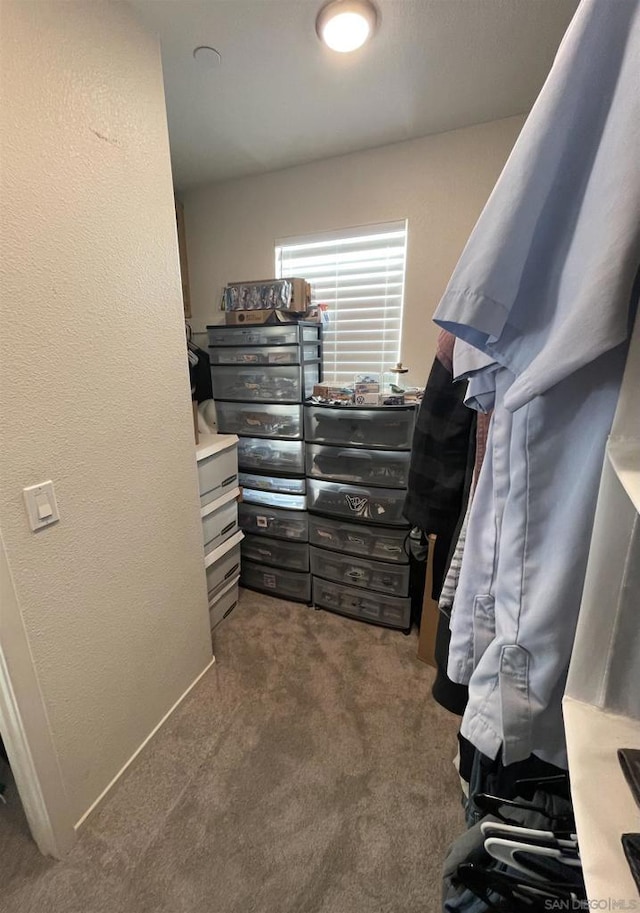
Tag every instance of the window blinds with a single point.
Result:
(359, 275)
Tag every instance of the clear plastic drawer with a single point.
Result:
(385, 427)
(359, 539)
(361, 572)
(255, 355)
(259, 421)
(271, 456)
(392, 611)
(384, 468)
(274, 499)
(356, 502)
(273, 521)
(287, 584)
(267, 385)
(255, 335)
(291, 555)
(272, 483)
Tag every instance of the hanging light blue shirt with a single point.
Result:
(543, 290)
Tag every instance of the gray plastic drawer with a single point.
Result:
(361, 572)
(392, 611)
(283, 384)
(219, 525)
(288, 584)
(217, 474)
(272, 483)
(222, 571)
(359, 539)
(291, 555)
(259, 421)
(274, 499)
(286, 457)
(356, 502)
(385, 427)
(385, 468)
(223, 604)
(254, 335)
(273, 521)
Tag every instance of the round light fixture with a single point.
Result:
(345, 25)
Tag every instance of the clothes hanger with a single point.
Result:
(507, 852)
(493, 805)
(528, 834)
(507, 893)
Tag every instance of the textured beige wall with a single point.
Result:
(94, 387)
(439, 183)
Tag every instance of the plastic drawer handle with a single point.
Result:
(232, 571)
(363, 455)
(229, 481)
(230, 609)
(227, 527)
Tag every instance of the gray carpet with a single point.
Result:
(308, 772)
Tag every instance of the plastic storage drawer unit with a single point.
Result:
(283, 384)
(260, 421)
(391, 611)
(260, 335)
(274, 499)
(355, 502)
(273, 521)
(217, 468)
(359, 539)
(386, 468)
(272, 483)
(286, 457)
(384, 427)
(291, 555)
(220, 571)
(360, 572)
(255, 355)
(288, 584)
(224, 603)
(219, 524)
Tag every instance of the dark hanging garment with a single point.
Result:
(200, 375)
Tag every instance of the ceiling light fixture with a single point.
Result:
(345, 25)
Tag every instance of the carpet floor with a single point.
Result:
(308, 772)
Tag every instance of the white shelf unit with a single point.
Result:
(602, 698)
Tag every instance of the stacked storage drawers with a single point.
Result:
(217, 460)
(357, 464)
(261, 376)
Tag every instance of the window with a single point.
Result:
(359, 274)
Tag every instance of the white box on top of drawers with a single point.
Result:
(217, 458)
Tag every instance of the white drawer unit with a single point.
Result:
(276, 552)
(217, 460)
(390, 611)
(384, 427)
(220, 520)
(384, 468)
(222, 565)
(273, 521)
(359, 539)
(356, 502)
(222, 605)
(274, 499)
(284, 457)
(360, 572)
(257, 420)
(273, 483)
(275, 581)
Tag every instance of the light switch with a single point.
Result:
(41, 505)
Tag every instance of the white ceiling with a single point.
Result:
(280, 98)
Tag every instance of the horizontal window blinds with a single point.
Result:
(359, 275)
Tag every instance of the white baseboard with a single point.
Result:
(81, 821)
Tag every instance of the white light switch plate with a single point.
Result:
(41, 505)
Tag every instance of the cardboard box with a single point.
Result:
(268, 316)
(366, 399)
(268, 294)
